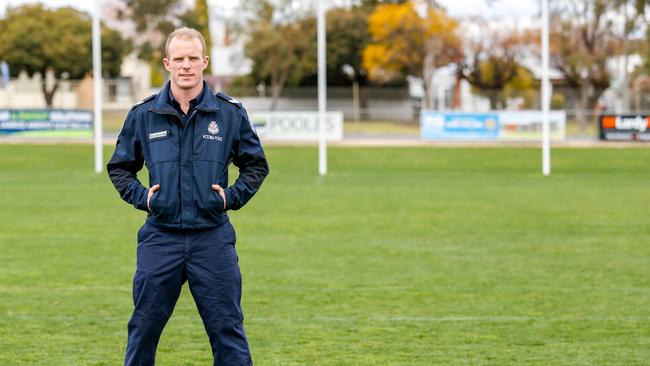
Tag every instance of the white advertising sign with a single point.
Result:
(527, 125)
(296, 126)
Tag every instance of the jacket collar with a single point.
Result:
(161, 104)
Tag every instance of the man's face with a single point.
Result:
(185, 62)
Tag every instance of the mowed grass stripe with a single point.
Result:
(400, 256)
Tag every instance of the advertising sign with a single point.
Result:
(458, 126)
(46, 122)
(527, 125)
(502, 125)
(296, 126)
(624, 127)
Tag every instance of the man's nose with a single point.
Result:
(186, 63)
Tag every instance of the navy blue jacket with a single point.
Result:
(187, 159)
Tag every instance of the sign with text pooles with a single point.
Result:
(296, 126)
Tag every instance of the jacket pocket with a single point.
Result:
(162, 146)
(165, 203)
(209, 204)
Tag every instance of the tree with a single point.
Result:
(492, 62)
(35, 39)
(644, 49)
(347, 37)
(150, 15)
(634, 11)
(198, 18)
(114, 49)
(406, 43)
(282, 53)
(153, 20)
(582, 40)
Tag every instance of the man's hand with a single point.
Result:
(152, 190)
(221, 192)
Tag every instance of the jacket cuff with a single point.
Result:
(141, 203)
(229, 198)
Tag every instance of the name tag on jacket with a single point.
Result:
(157, 135)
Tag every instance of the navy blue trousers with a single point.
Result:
(208, 261)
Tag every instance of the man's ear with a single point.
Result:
(165, 62)
(206, 61)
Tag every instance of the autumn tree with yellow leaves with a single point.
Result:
(406, 42)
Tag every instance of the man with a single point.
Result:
(187, 138)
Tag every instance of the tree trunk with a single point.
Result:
(493, 95)
(276, 90)
(581, 107)
(363, 104)
(592, 100)
(626, 91)
(427, 101)
(457, 95)
(49, 94)
(278, 82)
(428, 70)
(276, 87)
(355, 100)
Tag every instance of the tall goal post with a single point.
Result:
(546, 98)
(322, 96)
(97, 89)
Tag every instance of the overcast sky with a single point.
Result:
(492, 9)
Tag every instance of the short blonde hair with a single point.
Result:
(185, 33)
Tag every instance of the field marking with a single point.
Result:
(339, 319)
(64, 289)
(507, 319)
(284, 289)
(452, 319)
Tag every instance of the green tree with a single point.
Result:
(347, 37)
(282, 53)
(198, 18)
(114, 49)
(150, 15)
(155, 19)
(491, 63)
(35, 39)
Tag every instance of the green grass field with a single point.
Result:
(401, 256)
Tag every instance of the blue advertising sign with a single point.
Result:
(458, 126)
(29, 121)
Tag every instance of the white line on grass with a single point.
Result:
(339, 319)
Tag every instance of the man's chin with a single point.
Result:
(186, 85)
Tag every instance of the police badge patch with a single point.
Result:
(213, 128)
